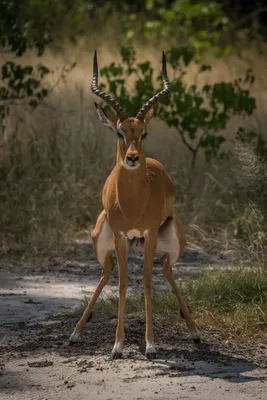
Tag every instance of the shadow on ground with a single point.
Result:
(177, 354)
(30, 338)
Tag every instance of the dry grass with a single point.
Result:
(54, 160)
(53, 175)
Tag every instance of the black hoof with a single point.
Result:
(90, 317)
(116, 356)
(197, 341)
(151, 356)
(182, 314)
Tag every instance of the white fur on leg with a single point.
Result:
(75, 336)
(117, 348)
(150, 347)
(195, 335)
(105, 242)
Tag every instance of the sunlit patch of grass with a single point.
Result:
(223, 290)
(163, 304)
(233, 303)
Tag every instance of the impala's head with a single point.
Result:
(131, 132)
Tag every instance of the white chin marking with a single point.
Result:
(117, 348)
(195, 335)
(75, 336)
(150, 347)
(127, 166)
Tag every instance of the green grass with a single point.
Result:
(231, 300)
(224, 290)
(234, 303)
(163, 304)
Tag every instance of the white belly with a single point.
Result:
(134, 233)
(167, 241)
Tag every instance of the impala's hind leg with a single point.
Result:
(102, 237)
(171, 241)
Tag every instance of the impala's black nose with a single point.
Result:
(132, 160)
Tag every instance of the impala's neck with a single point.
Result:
(132, 188)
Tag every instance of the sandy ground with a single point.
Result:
(38, 311)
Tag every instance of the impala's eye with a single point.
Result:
(144, 135)
(120, 136)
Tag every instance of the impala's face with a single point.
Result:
(131, 135)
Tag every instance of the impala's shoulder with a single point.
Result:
(113, 174)
(155, 166)
(158, 175)
(110, 183)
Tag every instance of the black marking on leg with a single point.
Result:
(182, 314)
(151, 355)
(116, 355)
(90, 317)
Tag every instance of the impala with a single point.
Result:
(138, 213)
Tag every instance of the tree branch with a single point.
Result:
(199, 142)
(250, 16)
(184, 141)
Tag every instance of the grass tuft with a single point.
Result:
(163, 304)
(232, 302)
(225, 290)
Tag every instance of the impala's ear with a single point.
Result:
(149, 115)
(107, 118)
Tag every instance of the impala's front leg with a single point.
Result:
(150, 249)
(121, 253)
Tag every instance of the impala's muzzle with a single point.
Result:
(132, 160)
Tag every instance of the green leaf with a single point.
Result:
(205, 67)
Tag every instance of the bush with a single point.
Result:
(198, 115)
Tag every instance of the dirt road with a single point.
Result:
(37, 362)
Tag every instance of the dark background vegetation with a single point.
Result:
(210, 135)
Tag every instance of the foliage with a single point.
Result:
(18, 82)
(202, 24)
(207, 25)
(199, 114)
(60, 18)
(22, 83)
(17, 32)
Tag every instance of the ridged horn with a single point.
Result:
(105, 96)
(155, 99)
